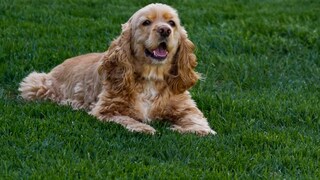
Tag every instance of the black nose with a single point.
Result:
(164, 31)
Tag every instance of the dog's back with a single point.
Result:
(75, 82)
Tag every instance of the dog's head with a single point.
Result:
(153, 37)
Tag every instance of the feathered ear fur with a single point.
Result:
(116, 67)
(182, 74)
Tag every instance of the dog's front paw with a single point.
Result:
(140, 127)
(199, 130)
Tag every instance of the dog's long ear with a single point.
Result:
(182, 75)
(116, 67)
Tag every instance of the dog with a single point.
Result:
(144, 76)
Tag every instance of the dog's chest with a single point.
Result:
(146, 100)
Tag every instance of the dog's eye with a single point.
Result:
(172, 23)
(146, 23)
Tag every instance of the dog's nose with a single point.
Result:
(164, 31)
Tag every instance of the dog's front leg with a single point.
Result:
(186, 117)
(131, 124)
(120, 113)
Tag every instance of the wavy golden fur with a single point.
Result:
(143, 76)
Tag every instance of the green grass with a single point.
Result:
(261, 93)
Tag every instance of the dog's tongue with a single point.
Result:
(160, 52)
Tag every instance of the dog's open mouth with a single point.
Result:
(160, 53)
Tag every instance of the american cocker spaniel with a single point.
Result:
(144, 76)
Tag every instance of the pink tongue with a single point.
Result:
(160, 52)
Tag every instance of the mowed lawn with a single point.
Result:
(261, 93)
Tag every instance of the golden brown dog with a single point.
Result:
(143, 76)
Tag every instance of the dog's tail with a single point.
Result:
(37, 86)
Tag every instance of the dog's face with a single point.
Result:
(155, 33)
(152, 46)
